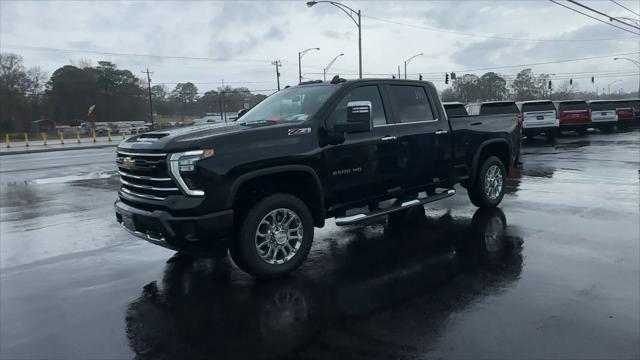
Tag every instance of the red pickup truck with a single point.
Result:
(628, 112)
(574, 115)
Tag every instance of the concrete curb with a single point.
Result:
(31, 151)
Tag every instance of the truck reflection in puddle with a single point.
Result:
(202, 311)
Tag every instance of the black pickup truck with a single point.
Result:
(354, 150)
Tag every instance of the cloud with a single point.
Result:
(497, 52)
(338, 35)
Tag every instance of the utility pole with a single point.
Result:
(277, 64)
(150, 102)
(399, 72)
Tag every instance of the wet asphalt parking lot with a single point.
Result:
(554, 273)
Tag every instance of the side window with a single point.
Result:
(412, 103)
(363, 93)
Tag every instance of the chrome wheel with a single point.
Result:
(279, 236)
(493, 182)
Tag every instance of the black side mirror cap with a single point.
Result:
(359, 117)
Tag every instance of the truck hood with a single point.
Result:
(178, 139)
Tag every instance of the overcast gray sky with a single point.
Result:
(251, 34)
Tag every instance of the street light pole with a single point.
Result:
(611, 83)
(407, 61)
(300, 55)
(636, 63)
(350, 13)
(324, 71)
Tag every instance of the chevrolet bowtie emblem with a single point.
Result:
(128, 163)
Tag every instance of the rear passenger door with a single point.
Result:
(424, 140)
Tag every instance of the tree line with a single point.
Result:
(525, 86)
(28, 94)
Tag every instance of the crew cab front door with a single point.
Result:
(365, 165)
(424, 140)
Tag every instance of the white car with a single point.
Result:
(603, 114)
(539, 117)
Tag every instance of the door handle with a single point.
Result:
(476, 123)
(441, 132)
(388, 138)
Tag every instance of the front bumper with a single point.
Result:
(193, 233)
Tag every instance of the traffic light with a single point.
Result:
(549, 84)
(453, 76)
(593, 80)
(570, 81)
(446, 78)
(420, 77)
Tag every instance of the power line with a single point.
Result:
(484, 36)
(533, 64)
(593, 17)
(40, 48)
(624, 7)
(611, 18)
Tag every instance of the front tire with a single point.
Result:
(487, 190)
(274, 237)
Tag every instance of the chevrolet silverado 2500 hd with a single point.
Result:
(354, 150)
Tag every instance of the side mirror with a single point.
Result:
(242, 112)
(358, 118)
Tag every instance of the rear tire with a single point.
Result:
(487, 190)
(274, 237)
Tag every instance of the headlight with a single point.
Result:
(185, 162)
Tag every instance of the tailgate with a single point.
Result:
(532, 119)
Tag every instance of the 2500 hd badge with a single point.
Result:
(347, 171)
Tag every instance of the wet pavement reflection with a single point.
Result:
(198, 311)
(554, 273)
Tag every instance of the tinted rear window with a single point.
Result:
(455, 110)
(499, 108)
(573, 105)
(541, 106)
(601, 106)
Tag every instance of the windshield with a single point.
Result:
(601, 106)
(499, 108)
(455, 110)
(573, 105)
(538, 106)
(288, 105)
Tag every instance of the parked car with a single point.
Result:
(573, 115)
(539, 117)
(603, 114)
(354, 150)
(455, 109)
(628, 112)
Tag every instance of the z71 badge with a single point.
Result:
(300, 131)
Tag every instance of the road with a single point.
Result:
(555, 273)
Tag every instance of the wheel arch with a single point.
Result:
(493, 147)
(308, 187)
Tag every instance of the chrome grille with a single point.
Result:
(145, 175)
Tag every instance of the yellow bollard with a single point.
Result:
(122, 135)
(44, 137)
(93, 135)
(137, 131)
(26, 139)
(61, 138)
(78, 136)
(7, 140)
(109, 134)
